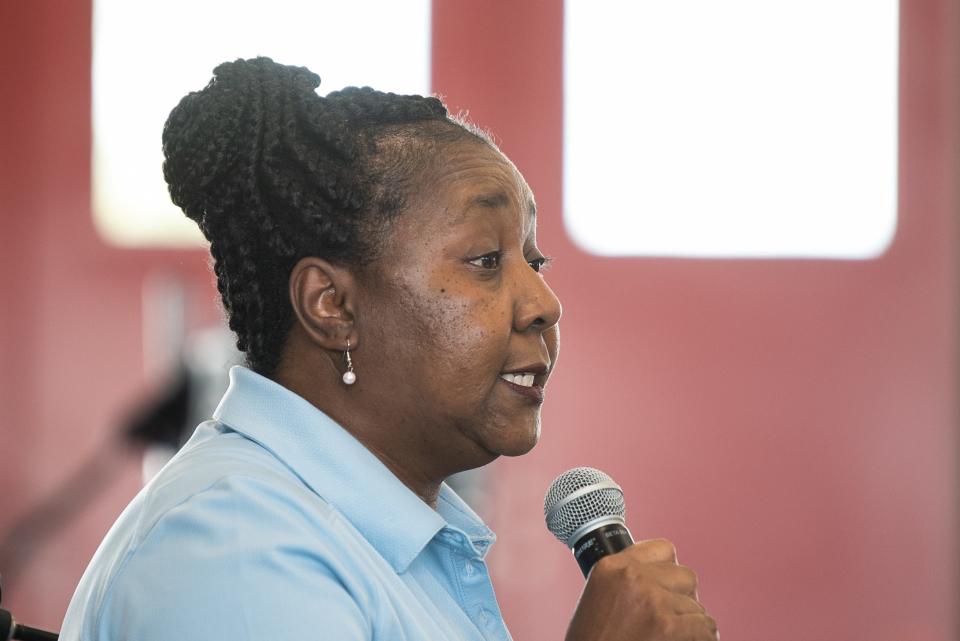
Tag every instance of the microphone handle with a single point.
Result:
(598, 543)
(26, 633)
(10, 630)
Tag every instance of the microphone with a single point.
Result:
(585, 510)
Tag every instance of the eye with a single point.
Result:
(487, 261)
(540, 264)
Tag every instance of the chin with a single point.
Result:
(521, 443)
(519, 451)
(500, 436)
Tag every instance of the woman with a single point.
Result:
(378, 263)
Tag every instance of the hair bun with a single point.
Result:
(243, 73)
(212, 136)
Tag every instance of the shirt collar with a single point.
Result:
(465, 530)
(346, 474)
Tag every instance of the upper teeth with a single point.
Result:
(523, 378)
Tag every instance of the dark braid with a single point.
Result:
(272, 172)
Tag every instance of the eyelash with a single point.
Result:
(541, 264)
(494, 256)
(537, 264)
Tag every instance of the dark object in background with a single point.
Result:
(10, 629)
(162, 419)
(159, 419)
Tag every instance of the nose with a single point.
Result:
(537, 307)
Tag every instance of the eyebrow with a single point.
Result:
(496, 200)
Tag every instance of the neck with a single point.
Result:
(393, 442)
(423, 485)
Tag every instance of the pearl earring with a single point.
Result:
(349, 377)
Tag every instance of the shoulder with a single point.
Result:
(223, 540)
(222, 468)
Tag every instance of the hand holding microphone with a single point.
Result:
(634, 591)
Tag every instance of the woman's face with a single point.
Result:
(456, 307)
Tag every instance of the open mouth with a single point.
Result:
(526, 383)
(519, 378)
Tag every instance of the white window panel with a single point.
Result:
(743, 128)
(148, 55)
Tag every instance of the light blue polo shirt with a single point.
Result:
(273, 522)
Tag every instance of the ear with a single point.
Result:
(323, 297)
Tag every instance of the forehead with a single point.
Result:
(471, 178)
(471, 191)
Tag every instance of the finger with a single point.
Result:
(681, 604)
(653, 551)
(693, 627)
(677, 578)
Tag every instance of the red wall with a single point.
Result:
(71, 358)
(789, 424)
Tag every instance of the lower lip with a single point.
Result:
(534, 392)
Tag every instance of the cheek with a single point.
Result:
(446, 337)
(472, 334)
(463, 337)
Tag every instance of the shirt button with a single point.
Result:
(469, 569)
(487, 617)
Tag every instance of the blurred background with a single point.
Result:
(753, 209)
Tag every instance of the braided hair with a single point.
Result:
(272, 172)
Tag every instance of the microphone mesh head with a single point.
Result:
(597, 497)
